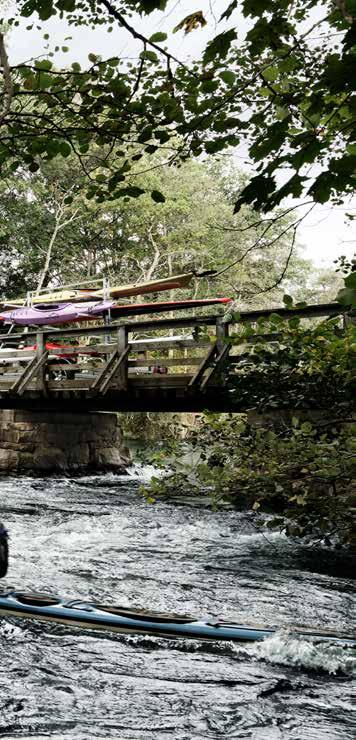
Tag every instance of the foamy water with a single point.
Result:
(97, 539)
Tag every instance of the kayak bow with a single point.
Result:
(78, 613)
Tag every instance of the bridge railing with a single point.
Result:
(180, 353)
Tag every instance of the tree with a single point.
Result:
(287, 89)
(55, 235)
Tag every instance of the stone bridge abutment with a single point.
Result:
(56, 442)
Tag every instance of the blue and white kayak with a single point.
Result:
(134, 621)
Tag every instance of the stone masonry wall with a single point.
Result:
(54, 442)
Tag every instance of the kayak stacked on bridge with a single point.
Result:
(117, 291)
(78, 613)
(61, 313)
(72, 305)
(66, 313)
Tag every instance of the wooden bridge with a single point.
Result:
(178, 364)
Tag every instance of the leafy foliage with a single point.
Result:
(300, 475)
(347, 295)
(288, 90)
(306, 368)
(298, 464)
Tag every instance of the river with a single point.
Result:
(96, 538)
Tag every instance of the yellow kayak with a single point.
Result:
(62, 296)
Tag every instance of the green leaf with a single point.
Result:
(256, 192)
(350, 281)
(101, 178)
(145, 134)
(157, 196)
(65, 149)
(148, 6)
(68, 5)
(347, 297)
(44, 81)
(45, 64)
(157, 37)
(270, 141)
(322, 187)
(219, 46)
(150, 55)
(162, 136)
(288, 301)
(270, 74)
(131, 191)
(44, 9)
(228, 77)
(282, 113)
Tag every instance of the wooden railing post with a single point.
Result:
(40, 351)
(122, 343)
(222, 333)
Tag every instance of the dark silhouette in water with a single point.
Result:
(4, 551)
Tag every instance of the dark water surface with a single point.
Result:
(95, 538)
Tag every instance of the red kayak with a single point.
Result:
(135, 309)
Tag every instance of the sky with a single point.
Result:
(324, 235)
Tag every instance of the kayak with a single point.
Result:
(70, 351)
(60, 313)
(152, 286)
(64, 313)
(135, 309)
(119, 291)
(78, 613)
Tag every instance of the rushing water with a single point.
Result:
(95, 538)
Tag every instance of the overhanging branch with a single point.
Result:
(136, 35)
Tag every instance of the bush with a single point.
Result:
(300, 470)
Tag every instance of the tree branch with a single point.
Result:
(58, 225)
(8, 85)
(136, 35)
(284, 271)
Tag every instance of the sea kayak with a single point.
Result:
(115, 291)
(76, 613)
(58, 313)
(65, 313)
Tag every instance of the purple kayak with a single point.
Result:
(59, 313)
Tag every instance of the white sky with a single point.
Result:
(325, 235)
